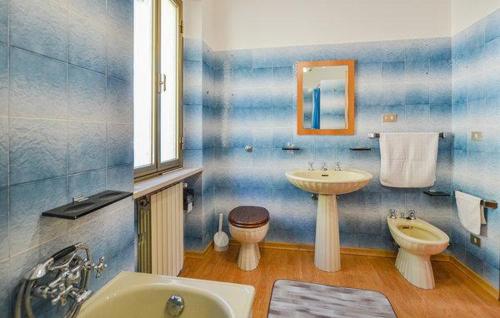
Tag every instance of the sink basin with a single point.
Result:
(329, 182)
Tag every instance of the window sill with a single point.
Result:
(153, 184)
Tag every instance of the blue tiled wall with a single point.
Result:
(247, 97)
(199, 148)
(256, 105)
(65, 130)
(252, 102)
(476, 107)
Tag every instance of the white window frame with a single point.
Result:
(157, 167)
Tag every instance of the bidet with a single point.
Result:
(417, 241)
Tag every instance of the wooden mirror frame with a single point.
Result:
(349, 130)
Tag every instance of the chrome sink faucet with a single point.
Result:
(324, 167)
(338, 167)
(311, 165)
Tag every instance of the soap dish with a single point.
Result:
(435, 193)
(360, 148)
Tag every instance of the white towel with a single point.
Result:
(408, 160)
(470, 212)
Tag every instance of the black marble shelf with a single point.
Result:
(73, 211)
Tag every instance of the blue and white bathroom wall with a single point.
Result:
(193, 139)
(65, 130)
(246, 90)
(411, 78)
(407, 72)
(252, 102)
(198, 138)
(199, 123)
(476, 108)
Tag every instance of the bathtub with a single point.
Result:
(137, 295)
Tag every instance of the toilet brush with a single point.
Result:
(221, 240)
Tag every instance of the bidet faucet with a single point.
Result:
(393, 214)
(412, 215)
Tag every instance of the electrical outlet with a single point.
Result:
(475, 240)
(476, 135)
(390, 118)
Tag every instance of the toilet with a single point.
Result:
(248, 225)
(417, 241)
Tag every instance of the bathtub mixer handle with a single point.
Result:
(71, 270)
(100, 267)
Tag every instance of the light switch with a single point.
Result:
(476, 240)
(390, 118)
(476, 136)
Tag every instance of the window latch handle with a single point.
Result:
(163, 83)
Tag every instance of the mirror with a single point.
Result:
(325, 97)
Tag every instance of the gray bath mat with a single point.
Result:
(299, 299)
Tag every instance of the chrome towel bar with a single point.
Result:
(490, 204)
(374, 135)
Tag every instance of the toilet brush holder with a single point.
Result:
(221, 240)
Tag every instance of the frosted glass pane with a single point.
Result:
(168, 112)
(143, 89)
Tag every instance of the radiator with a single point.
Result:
(161, 232)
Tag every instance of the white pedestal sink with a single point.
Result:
(328, 184)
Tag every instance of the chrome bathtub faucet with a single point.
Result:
(69, 271)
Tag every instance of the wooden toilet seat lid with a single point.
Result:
(248, 216)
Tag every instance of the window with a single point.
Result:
(157, 86)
